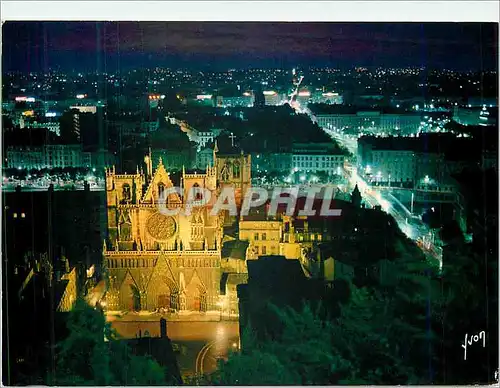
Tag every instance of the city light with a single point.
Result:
(426, 179)
(50, 114)
(81, 96)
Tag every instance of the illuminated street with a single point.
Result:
(409, 224)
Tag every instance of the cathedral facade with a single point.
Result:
(155, 260)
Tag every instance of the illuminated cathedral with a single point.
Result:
(159, 261)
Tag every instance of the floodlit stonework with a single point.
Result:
(156, 260)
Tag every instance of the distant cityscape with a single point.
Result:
(409, 155)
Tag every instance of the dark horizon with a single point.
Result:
(120, 46)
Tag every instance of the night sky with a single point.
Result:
(111, 46)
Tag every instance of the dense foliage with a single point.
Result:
(407, 329)
(92, 354)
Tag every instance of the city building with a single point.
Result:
(202, 99)
(271, 97)
(264, 236)
(48, 156)
(84, 108)
(428, 157)
(389, 121)
(330, 98)
(394, 166)
(52, 126)
(245, 100)
(67, 291)
(205, 137)
(476, 115)
(317, 157)
(275, 162)
(490, 102)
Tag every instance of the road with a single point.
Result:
(410, 225)
(200, 343)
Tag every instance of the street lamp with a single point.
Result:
(426, 179)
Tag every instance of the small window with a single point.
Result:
(161, 190)
(264, 250)
(198, 194)
(263, 237)
(256, 237)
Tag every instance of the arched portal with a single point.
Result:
(134, 298)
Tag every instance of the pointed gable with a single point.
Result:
(163, 272)
(128, 279)
(160, 176)
(195, 283)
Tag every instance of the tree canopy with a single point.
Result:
(92, 354)
(405, 329)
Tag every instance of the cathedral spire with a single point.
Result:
(216, 149)
(149, 164)
(356, 196)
